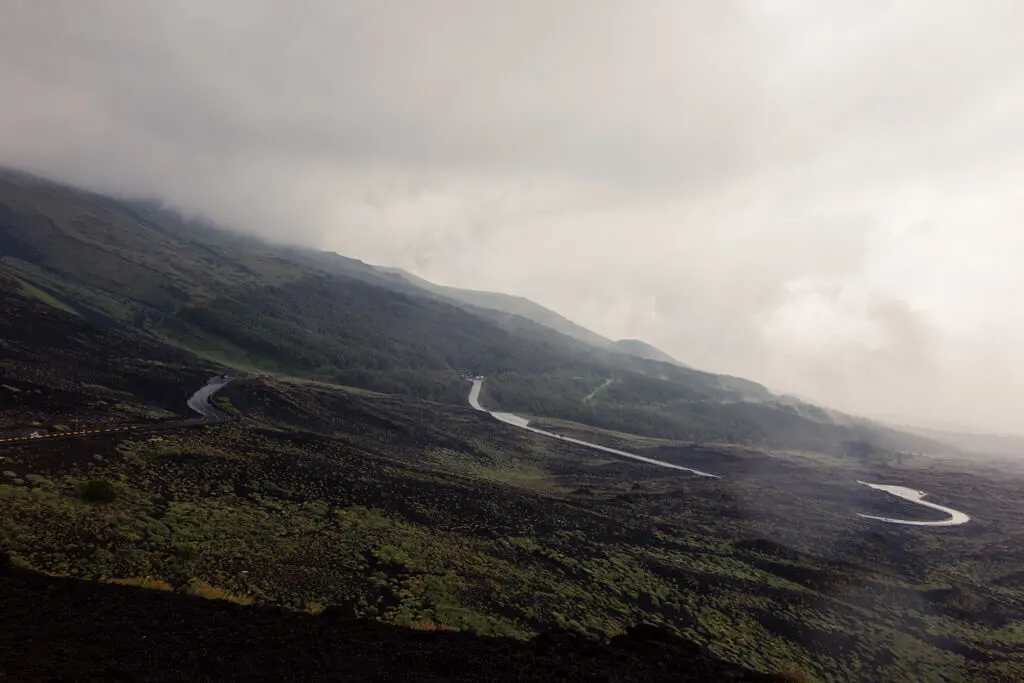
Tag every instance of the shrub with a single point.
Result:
(186, 552)
(390, 554)
(97, 491)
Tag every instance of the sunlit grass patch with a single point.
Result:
(149, 582)
(205, 590)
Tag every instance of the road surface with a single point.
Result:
(913, 495)
(200, 402)
(523, 423)
(955, 516)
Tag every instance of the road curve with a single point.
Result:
(913, 495)
(200, 402)
(955, 516)
(523, 423)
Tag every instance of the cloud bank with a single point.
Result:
(820, 196)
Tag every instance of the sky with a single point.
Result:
(823, 196)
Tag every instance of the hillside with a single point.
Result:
(239, 301)
(412, 514)
(61, 629)
(512, 305)
(645, 350)
(430, 525)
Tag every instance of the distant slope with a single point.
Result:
(148, 271)
(642, 349)
(1004, 445)
(513, 305)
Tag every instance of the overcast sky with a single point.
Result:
(823, 196)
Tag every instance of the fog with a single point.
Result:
(821, 196)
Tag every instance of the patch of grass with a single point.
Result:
(224, 403)
(210, 592)
(46, 298)
(430, 626)
(148, 582)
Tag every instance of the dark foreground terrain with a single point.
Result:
(55, 629)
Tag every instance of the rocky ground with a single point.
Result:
(436, 525)
(54, 629)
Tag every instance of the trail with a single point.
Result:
(592, 394)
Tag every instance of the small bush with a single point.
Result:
(97, 491)
(390, 554)
(186, 552)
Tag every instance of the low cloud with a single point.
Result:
(824, 198)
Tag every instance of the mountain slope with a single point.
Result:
(505, 303)
(62, 629)
(232, 298)
(642, 349)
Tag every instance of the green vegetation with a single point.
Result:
(434, 517)
(427, 514)
(224, 403)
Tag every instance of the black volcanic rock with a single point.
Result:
(56, 629)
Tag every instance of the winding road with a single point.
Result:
(523, 423)
(955, 516)
(913, 495)
(200, 402)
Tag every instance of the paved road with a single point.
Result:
(523, 423)
(913, 495)
(955, 516)
(200, 402)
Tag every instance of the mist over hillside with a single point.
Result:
(323, 316)
(381, 339)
